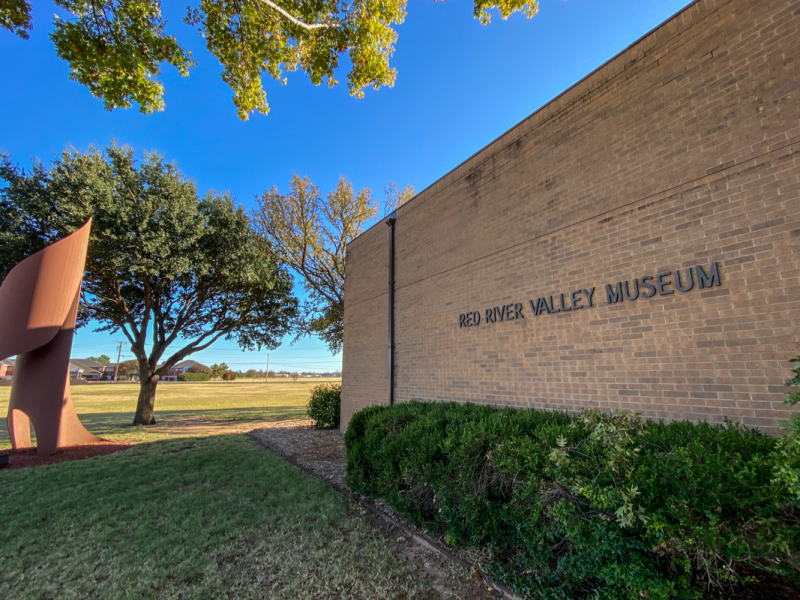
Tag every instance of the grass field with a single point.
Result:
(190, 518)
(107, 409)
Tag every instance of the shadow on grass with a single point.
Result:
(119, 425)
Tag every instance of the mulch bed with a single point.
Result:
(319, 451)
(27, 457)
(323, 453)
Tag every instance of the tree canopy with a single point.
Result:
(128, 368)
(310, 233)
(218, 370)
(117, 47)
(164, 266)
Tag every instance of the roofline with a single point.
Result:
(537, 111)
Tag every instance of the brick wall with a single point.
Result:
(683, 150)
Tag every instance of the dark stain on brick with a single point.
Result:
(513, 149)
(548, 184)
(654, 240)
(715, 293)
(768, 224)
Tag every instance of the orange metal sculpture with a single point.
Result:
(38, 308)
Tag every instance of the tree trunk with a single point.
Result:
(146, 402)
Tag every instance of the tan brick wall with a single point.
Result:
(683, 150)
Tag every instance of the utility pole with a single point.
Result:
(119, 355)
(266, 375)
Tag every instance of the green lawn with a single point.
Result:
(107, 409)
(215, 517)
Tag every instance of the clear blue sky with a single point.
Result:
(459, 86)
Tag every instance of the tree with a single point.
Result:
(295, 376)
(218, 370)
(199, 369)
(117, 47)
(251, 374)
(229, 375)
(101, 359)
(310, 234)
(128, 368)
(162, 265)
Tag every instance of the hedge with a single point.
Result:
(596, 505)
(193, 377)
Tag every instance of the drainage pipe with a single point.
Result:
(390, 222)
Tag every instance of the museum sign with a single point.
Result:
(649, 286)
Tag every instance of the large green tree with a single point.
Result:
(310, 233)
(117, 47)
(168, 269)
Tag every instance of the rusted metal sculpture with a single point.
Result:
(38, 309)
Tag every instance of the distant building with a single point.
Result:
(180, 368)
(91, 370)
(7, 368)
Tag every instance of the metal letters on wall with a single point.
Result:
(662, 284)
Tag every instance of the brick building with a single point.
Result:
(682, 154)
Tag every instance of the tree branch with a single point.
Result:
(294, 20)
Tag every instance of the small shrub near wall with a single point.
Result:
(788, 451)
(193, 377)
(325, 405)
(592, 506)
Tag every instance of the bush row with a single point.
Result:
(193, 377)
(596, 505)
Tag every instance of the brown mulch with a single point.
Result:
(319, 451)
(322, 453)
(27, 457)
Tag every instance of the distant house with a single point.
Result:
(180, 368)
(7, 368)
(90, 370)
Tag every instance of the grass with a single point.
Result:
(215, 517)
(107, 409)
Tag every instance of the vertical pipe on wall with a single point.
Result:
(390, 222)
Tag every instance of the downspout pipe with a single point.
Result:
(390, 222)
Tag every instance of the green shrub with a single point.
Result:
(325, 405)
(598, 505)
(193, 377)
(787, 469)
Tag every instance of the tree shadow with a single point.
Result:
(118, 425)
